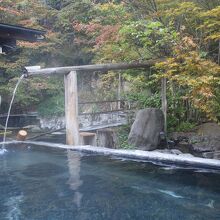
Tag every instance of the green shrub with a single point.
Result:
(53, 106)
(186, 126)
(122, 134)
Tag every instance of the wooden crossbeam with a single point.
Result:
(91, 68)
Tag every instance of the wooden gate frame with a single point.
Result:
(71, 93)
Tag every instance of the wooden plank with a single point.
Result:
(71, 108)
(87, 134)
(164, 101)
(97, 67)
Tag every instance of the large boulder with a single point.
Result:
(145, 131)
(203, 141)
(207, 138)
(210, 129)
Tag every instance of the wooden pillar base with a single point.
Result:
(71, 108)
(88, 138)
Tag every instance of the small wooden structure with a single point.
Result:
(9, 34)
(87, 138)
(71, 96)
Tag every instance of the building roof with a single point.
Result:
(8, 31)
(9, 34)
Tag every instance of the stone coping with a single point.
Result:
(166, 158)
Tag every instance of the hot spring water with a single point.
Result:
(39, 183)
(50, 183)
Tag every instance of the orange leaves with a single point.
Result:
(88, 28)
(188, 42)
(53, 36)
(11, 11)
(100, 34)
(198, 78)
(33, 45)
(206, 92)
(26, 23)
(107, 33)
(211, 24)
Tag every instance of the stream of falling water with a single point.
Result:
(9, 110)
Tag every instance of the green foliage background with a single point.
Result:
(184, 33)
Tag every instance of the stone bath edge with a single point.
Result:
(166, 158)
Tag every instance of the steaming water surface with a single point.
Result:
(40, 183)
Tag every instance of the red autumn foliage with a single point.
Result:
(9, 11)
(100, 33)
(107, 33)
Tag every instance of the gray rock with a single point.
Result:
(169, 151)
(207, 138)
(188, 155)
(181, 136)
(212, 155)
(36, 129)
(175, 151)
(216, 155)
(181, 140)
(33, 128)
(209, 129)
(145, 131)
(205, 143)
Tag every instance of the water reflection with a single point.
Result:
(74, 179)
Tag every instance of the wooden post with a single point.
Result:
(119, 91)
(71, 108)
(164, 101)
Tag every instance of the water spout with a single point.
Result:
(9, 110)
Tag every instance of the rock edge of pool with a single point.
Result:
(166, 158)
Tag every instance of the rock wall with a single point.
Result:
(53, 123)
(88, 120)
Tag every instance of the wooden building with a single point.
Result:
(9, 34)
